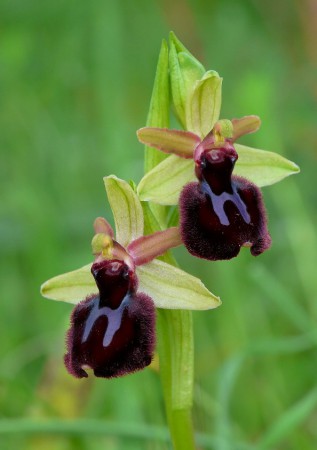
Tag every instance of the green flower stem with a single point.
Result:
(176, 352)
(175, 330)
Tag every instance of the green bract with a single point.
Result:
(169, 287)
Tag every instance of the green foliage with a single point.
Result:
(76, 80)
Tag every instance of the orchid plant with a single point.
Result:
(133, 290)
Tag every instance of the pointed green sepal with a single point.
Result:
(172, 288)
(126, 209)
(71, 287)
(178, 142)
(164, 183)
(262, 167)
(203, 105)
(169, 287)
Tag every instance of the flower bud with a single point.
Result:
(185, 70)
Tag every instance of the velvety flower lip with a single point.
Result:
(113, 332)
(220, 213)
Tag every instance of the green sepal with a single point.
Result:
(126, 209)
(164, 183)
(263, 167)
(172, 288)
(71, 287)
(169, 287)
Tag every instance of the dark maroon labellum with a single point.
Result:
(222, 212)
(113, 332)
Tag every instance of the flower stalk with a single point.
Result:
(174, 327)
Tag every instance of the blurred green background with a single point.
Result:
(75, 83)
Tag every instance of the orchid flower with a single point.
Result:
(112, 324)
(222, 211)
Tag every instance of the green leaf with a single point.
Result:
(262, 167)
(291, 419)
(203, 106)
(71, 287)
(126, 208)
(164, 183)
(159, 110)
(181, 143)
(172, 288)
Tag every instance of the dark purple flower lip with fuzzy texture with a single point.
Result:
(221, 212)
(112, 333)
